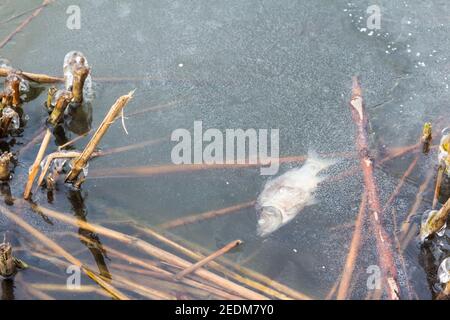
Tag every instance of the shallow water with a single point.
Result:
(239, 64)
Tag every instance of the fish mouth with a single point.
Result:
(270, 219)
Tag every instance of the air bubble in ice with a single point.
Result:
(24, 86)
(85, 169)
(5, 63)
(72, 59)
(425, 231)
(444, 271)
(10, 113)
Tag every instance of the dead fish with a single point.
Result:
(285, 196)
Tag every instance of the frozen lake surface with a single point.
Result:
(283, 65)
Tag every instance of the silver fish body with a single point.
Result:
(285, 196)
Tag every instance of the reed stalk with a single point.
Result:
(206, 215)
(25, 23)
(266, 285)
(61, 105)
(437, 188)
(49, 160)
(355, 245)
(35, 167)
(207, 259)
(12, 84)
(60, 251)
(79, 163)
(436, 222)
(5, 160)
(153, 251)
(384, 245)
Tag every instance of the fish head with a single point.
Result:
(270, 219)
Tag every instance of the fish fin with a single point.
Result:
(313, 201)
(318, 164)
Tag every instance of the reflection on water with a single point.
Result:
(239, 64)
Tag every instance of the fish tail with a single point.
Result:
(318, 164)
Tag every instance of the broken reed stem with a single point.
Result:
(5, 160)
(12, 85)
(426, 137)
(148, 171)
(79, 163)
(50, 158)
(161, 273)
(355, 245)
(63, 288)
(79, 76)
(437, 221)
(207, 259)
(153, 251)
(37, 136)
(386, 255)
(206, 215)
(21, 14)
(25, 23)
(60, 106)
(437, 188)
(132, 146)
(36, 77)
(60, 251)
(333, 289)
(156, 107)
(401, 183)
(35, 167)
(118, 281)
(68, 143)
(267, 285)
(400, 254)
(408, 228)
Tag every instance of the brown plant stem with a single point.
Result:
(155, 108)
(437, 188)
(37, 136)
(265, 284)
(386, 256)
(131, 147)
(333, 289)
(407, 227)
(21, 14)
(60, 251)
(437, 221)
(153, 251)
(36, 77)
(207, 259)
(12, 85)
(79, 163)
(5, 160)
(401, 183)
(206, 215)
(24, 23)
(60, 106)
(79, 77)
(35, 167)
(355, 245)
(71, 142)
(50, 158)
(161, 273)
